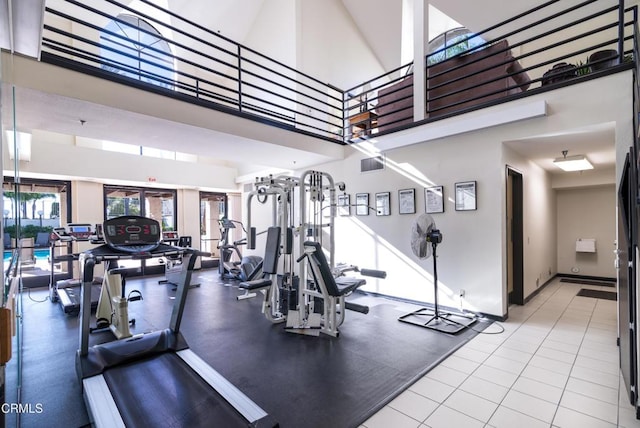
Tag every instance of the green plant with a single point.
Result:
(582, 68)
(29, 231)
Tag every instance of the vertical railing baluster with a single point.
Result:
(620, 31)
(239, 78)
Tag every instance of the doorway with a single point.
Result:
(213, 206)
(626, 260)
(515, 269)
(32, 209)
(158, 204)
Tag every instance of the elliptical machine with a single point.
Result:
(248, 267)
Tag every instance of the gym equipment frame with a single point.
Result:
(150, 379)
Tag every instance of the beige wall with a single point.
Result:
(588, 212)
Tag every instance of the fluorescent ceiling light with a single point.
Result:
(573, 163)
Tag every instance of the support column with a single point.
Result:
(420, 41)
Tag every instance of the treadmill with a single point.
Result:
(67, 291)
(153, 379)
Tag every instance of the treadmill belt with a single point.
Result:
(73, 295)
(163, 391)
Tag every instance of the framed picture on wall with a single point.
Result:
(344, 207)
(362, 204)
(383, 203)
(434, 199)
(466, 196)
(407, 201)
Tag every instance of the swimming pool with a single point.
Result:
(40, 254)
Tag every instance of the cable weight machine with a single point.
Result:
(303, 291)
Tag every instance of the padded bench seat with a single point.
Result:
(347, 284)
(256, 284)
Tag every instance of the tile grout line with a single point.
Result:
(492, 353)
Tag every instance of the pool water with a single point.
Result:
(40, 254)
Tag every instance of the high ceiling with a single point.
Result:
(378, 21)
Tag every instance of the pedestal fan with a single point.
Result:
(425, 238)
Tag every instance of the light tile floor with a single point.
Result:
(555, 365)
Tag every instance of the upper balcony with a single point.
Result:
(151, 48)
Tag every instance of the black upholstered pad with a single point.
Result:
(346, 284)
(255, 284)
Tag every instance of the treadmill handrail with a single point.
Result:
(90, 258)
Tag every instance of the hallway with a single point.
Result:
(555, 365)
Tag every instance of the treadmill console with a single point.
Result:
(75, 232)
(132, 234)
(170, 236)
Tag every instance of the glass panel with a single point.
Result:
(213, 206)
(119, 202)
(134, 48)
(122, 202)
(456, 41)
(160, 206)
(31, 214)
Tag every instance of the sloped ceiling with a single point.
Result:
(378, 21)
(229, 18)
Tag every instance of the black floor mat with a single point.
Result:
(301, 381)
(589, 282)
(598, 294)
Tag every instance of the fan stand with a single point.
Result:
(444, 322)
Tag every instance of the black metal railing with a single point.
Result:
(200, 64)
(540, 49)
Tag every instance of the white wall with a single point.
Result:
(473, 252)
(330, 46)
(539, 223)
(588, 212)
(469, 255)
(273, 31)
(55, 155)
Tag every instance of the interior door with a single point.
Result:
(626, 261)
(515, 263)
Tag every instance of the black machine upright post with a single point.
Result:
(436, 314)
(190, 257)
(445, 322)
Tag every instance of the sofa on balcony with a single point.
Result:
(455, 84)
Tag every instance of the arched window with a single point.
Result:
(451, 43)
(132, 47)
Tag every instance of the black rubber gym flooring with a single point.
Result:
(301, 381)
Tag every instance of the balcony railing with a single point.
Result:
(200, 65)
(543, 48)
(538, 50)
